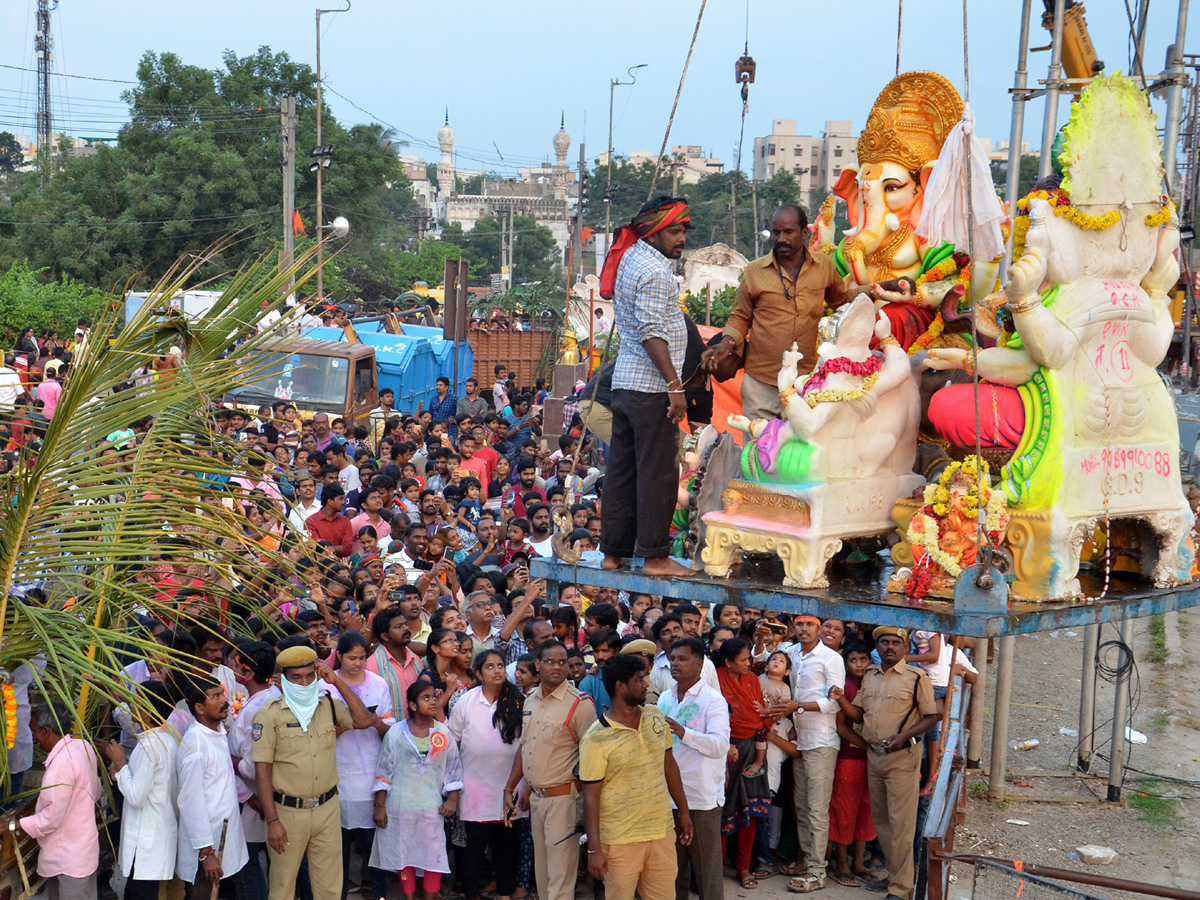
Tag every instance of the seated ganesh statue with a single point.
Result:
(833, 465)
(1071, 389)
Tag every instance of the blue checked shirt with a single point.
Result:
(646, 304)
(443, 409)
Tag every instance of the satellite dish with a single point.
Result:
(340, 227)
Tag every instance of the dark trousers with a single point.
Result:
(504, 846)
(141, 890)
(642, 481)
(373, 878)
(702, 857)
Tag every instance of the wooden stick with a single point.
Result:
(216, 886)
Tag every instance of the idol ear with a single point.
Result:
(914, 217)
(847, 189)
(858, 324)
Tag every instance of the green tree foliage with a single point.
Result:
(10, 153)
(26, 300)
(534, 257)
(1026, 179)
(722, 306)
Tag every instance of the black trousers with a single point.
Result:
(642, 481)
(505, 852)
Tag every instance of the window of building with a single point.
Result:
(837, 152)
(797, 151)
(772, 149)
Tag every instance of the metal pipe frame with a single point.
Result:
(978, 701)
(1053, 82)
(1116, 755)
(1087, 699)
(999, 761)
(1175, 99)
(1040, 872)
(1016, 132)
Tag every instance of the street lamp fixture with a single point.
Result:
(608, 187)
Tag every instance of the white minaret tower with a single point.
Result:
(446, 166)
(562, 143)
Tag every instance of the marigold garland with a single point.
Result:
(944, 269)
(932, 333)
(1163, 216)
(924, 529)
(1061, 204)
(10, 715)
(831, 395)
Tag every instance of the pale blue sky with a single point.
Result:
(506, 70)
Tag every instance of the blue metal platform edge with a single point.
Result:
(860, 597)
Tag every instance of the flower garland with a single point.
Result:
(924, 528)
(829, 395)
(10, 715)
(932, 333)
(944, 269)
(1061, 204)
(1163, 216)
(841, 365)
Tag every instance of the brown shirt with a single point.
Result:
(304, 763)
(551, 734)
(889, 697)
(772, 321)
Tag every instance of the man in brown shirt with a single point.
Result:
(556, 716)
(895, 705)
(781, 299)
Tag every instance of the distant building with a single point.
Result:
(815, 161)
(693, 164)
(997, 151)
(543, 192)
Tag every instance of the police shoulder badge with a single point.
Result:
(256, 731)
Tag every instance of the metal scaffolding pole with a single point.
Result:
(1017, 130)
(1087, 699)
(1000, 709)
(1053, 80)
(1175, 99)
(1116, 753)
(978, 700)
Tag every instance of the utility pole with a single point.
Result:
(754, 206)
(287, 152)
(1174, 100)
(321, 162)
(512, 239)
(503, 248)
(578, 241)
(43, 45)
(612, 86)
(1053, 85)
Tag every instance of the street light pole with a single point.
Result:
(320, 166)
(612, 86)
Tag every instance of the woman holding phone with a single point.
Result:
(357, 756)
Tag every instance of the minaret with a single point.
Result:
(446, 166)
(562, 143)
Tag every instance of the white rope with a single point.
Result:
(666, 137)
(899, 29)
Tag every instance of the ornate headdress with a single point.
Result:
(910, 120)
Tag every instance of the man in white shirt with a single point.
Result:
(815, 670)
(416, 539)
(480, 615)
(207, 794)
(10, 381)
(666, 630)
(305, 506)
(499, 394)
(347, 472)
(699, 720)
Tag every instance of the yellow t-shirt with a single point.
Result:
(634, 803)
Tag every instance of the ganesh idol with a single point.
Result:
(881, 253)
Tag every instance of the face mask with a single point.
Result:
(301, 699)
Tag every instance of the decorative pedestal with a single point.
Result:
(804, 525)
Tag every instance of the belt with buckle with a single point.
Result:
(558, 790)
(304, 802)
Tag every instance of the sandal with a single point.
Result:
(791, 869)
(806, 883)
(764, 872)
(747, 881)
(845, 879)
(877, 885)
(753, 771)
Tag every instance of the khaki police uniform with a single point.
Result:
(892, 701)
(304, 778)
(550, 737)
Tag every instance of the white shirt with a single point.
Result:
(661, 680)
(149, 829)
(207, 796)
(486, 759)
(10, 386)
(700, 753)
(254, 828)
(938, 672)
(813, 674)
(348, 478)
(300, 513)
(543, 548)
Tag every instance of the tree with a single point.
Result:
(10, 153)
(1026, 179)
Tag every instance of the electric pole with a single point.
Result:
(608, 191)
(287, 152)
(43, 45)
(503, 248)
(322, 161)
(578, 240)
(511, 241)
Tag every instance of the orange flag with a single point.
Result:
(297, 223)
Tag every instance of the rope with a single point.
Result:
(670, 121)
(899, 29)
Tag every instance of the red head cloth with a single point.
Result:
(643, 225)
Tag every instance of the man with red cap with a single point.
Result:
(648, 401)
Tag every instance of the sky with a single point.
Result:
(507, 71)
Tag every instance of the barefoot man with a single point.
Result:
(647, 397)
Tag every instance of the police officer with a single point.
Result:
(293, 742)
(895, 704)
(556, 717)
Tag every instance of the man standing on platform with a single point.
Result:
(648, 401)
(781, 299)
(896, 706)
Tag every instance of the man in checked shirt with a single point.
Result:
(648, 401)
